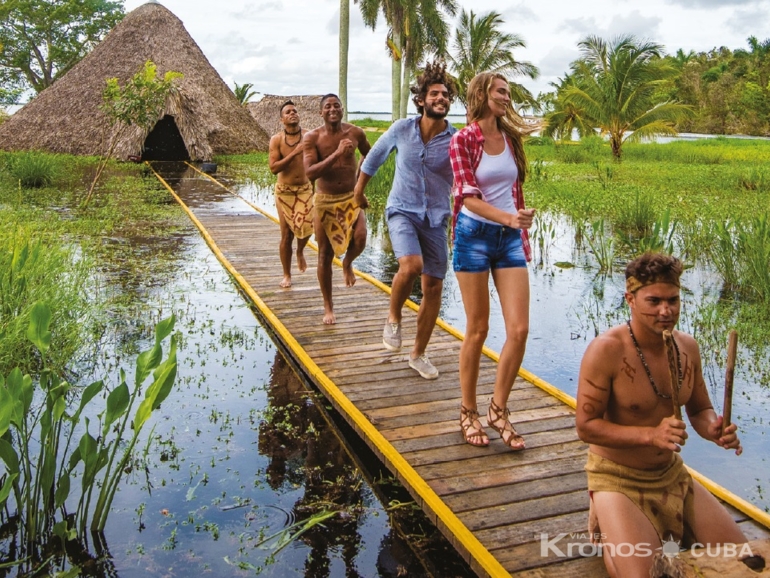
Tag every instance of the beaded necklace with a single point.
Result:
(299, 132)
(647, 369)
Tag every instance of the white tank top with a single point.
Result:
(495, 176)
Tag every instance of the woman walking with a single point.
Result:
(490, 231)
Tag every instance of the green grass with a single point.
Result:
(372, 123)
(702, 184)
(53, 251)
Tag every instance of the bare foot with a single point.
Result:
(329, 318)
(301, 263)
(286, 282)
(347, 273)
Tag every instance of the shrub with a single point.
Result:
(34, 169)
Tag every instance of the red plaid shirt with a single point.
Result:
(465, 150)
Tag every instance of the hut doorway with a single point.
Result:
(165, 143)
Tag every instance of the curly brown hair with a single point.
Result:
(655, 268)
(434, 73)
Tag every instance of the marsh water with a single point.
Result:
(244, 450)
(570, 304)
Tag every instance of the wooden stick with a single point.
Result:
(673, 371)
(732, 352)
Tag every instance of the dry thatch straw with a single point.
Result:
(267, 111)
(66, 116)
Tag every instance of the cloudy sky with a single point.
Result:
(291, 46)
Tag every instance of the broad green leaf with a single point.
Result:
(163, 384)
(7, 487)
(164, 328)
(88, 394)
(9, 457)
(27, 393)
(165, 376)
(142, 413)
(48, 476)
(62, 490)
(39, 322)
(6, 410)
(74, 459)
(117, 402)
(146, 362)
(59, 406)
(14, 383)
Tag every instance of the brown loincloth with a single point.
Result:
(664, 495)
(338, 214)
(296, 204)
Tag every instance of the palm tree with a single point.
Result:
(243, 92)
(614, 87)
(564, 117)
(425, 32)
(344, 44)
(480, 46)
(394, 12)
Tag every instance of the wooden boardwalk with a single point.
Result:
(492, 504)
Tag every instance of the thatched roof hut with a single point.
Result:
(267, 113)
(202, 117)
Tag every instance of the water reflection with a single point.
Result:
(304, 451)
(571, 303)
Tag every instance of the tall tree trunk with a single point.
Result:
(406, 59)
(395, 75)
(344, 44)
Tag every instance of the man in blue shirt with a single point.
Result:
(418, 208)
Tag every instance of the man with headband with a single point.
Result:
(641, 493)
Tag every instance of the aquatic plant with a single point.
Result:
(741, 255)
(33, 169)
(542, 234)
(658, 239)
(605, 174)
(32, 270)
(754, 179)
(39, 419)
(601, 245)
(538, 170)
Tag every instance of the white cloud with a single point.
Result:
(710, 3)
(746, 19)
(241, 33)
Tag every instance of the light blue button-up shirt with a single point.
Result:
(423, 180)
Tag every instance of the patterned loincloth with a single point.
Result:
(338, 214)
(664, 495)
(296, 204)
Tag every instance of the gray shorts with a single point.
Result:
(410, 235)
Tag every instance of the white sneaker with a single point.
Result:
(391, 336)
(424, 367)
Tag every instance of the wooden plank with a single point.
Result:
(507, 498)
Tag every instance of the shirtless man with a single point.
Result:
(641, 493)
(293, 191)
(340, 226)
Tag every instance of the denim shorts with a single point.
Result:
(480, 246)
(410, 235)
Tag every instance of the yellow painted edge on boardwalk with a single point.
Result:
(720, 492)
(523, 373)
(475, 548)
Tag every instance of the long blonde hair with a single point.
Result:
(511, 124)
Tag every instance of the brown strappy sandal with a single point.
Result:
(472, 428)
(495, 416)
